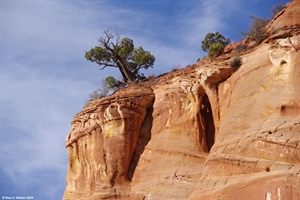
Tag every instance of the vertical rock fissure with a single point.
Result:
(144, 138)
(206, 113)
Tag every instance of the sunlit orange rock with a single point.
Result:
(207, 131)
(101, 144)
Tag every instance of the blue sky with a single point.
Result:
(45, 79)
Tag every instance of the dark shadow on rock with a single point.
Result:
(206, 113)
(144, 138)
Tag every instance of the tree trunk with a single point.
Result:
(128, 76)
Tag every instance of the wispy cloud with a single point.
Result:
(42, 70)
(206, 17)
(36, 111)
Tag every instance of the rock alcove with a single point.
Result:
(208, 122)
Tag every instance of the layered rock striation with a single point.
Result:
(101, 143)
(208, 131)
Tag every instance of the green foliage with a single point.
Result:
(276, 9)
(141, 59)
(235, 62)
(114, 84)
(120, 54)
(215, 49)
(257, 29)
(214, 43)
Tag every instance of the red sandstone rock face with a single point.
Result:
(181, 135)
(101, 145)
(203, 132)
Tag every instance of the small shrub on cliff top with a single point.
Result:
(276, 9)
(214, 44)
(241, 48)
(99, 93)
(114, 84)
(215, 49)
(235, 62)
(257, 29)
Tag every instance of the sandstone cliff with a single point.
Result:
(204, 132)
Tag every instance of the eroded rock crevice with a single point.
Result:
(209, 125)
(143, 139)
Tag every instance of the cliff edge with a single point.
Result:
(207, 131)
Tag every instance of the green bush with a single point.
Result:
(214, 43)
(215, 49)
(235, 62)
(114, 84)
